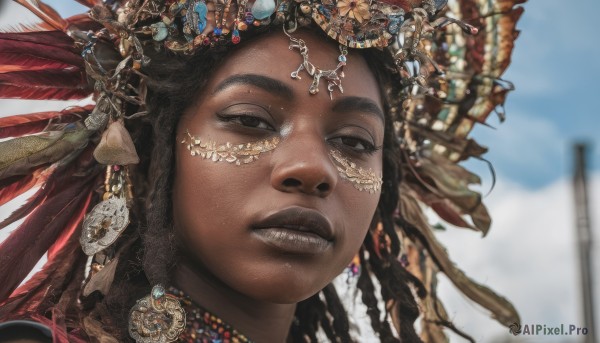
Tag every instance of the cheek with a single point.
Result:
(203, 200)
(358, 213)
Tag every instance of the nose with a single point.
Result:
(303, 165)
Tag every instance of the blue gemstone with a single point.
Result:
(249, 18)
(217, 31)
(263, 9)
(342, 58)
(158, 292)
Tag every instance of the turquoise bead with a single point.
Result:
(263, 9)
(159, 31)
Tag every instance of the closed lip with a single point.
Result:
(300, 219)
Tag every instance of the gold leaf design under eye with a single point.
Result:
(232, 153)
(363, 180)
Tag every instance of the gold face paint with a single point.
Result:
(363, 180)
(231, 153)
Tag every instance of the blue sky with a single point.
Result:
(529, 256)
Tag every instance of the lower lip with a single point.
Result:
(293, 241)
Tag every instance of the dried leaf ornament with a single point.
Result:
(116, 146)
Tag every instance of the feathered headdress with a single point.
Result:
(451, 81)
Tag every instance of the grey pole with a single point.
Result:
(584, 240)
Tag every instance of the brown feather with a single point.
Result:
(451, 214)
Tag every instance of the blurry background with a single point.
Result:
(530, 255)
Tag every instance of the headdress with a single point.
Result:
(449, 78)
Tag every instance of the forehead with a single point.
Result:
(269, 55)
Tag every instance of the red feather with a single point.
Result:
(20, 125)
(64, 266)
(14, 92)
(21, 186)
(26, 245)
(84, 23)
(56, 39)
(55, 78)
(44, 84)
(28, 207)
(35, 27)
(46, 13)
(10, 62)
(65, 248)
(44, 50)
(36, 199)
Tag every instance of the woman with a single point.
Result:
(233, 193)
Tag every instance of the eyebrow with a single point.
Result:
(266, 83)
(358, 104)
(274, 86)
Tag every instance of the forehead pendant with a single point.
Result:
(333, 76)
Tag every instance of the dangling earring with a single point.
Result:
(156, 318)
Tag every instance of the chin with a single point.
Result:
(287, 287)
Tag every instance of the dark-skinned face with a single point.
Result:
(222, 210)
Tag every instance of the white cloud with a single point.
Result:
(529, 257)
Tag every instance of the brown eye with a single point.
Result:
(248, 121)
(355, 144)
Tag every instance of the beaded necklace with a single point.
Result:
(204, 327)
